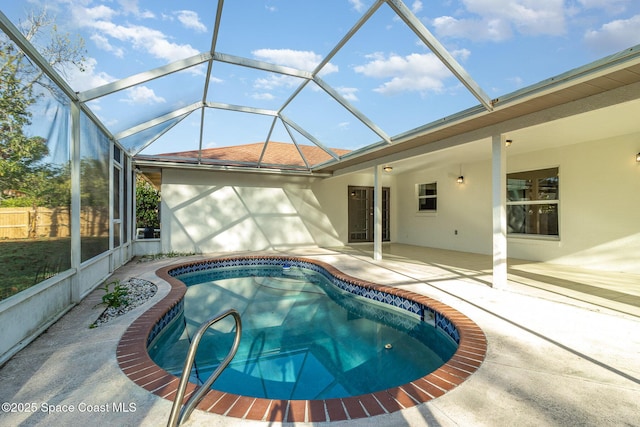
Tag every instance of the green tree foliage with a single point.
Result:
(147, 203)
(26, 179)
(20, 154)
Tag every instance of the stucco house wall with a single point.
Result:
(599, 206)
(206, 211)
(463, 218)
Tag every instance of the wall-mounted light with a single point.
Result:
(387, 169)
(508, 143)
(638, 157)
(460, 179)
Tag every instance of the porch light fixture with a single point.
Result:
(460, 179)
(638, 157)
(508, 143)
(387, 169)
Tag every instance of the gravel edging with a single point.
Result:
(138, 292)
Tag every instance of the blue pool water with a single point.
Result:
(302, 338)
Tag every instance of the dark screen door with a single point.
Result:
(361, 209)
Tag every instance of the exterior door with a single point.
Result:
(361, 209)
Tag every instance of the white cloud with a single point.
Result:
(141, 38)
(87, 15)
(348, 93)
(130, 7)
(89, 78)
(191, 20)
(216, 80)
(516, 81)
(142, 95)
(496, 20)
(416, 6)
(494, 30)
(146, 39)
(300, 59)
(358, 5)
(263, 96)
(411, 73)
(103, 43)
(614, 36)
(275, 81)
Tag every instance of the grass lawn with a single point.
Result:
(26, 262)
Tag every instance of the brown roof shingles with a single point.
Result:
(277, 153)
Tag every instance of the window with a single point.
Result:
(427, 197)
(532, 202)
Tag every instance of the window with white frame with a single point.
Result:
(427, 197)
(532, 202)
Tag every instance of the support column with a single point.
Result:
(499, 195)
(76, 257)
(377, 213)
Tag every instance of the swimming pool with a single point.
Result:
(303, 337)
(134, 360)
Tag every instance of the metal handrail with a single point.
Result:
(176, 419)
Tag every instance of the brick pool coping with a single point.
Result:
(133, 358)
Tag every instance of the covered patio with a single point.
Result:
(544, 367)
(518, 209)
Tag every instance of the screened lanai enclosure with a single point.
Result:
(255, 124)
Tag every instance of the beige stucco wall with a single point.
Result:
(225, 211)
(599, 206)
(465, 208)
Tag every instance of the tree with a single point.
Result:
(26, 179)
(20, 154)
(62, 51)
(147, 204)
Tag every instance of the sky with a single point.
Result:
(384, 71)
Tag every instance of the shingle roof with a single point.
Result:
(276, 153)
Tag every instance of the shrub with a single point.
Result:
(116, 298)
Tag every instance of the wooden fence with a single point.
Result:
(39, 222)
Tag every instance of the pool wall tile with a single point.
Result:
(135, 362)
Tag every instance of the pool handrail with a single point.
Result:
(176, 419)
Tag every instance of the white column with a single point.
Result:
(377, 213)
(499, 193)
(76, 257)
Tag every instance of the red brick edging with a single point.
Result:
(135, 362)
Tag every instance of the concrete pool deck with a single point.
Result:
(563, 348)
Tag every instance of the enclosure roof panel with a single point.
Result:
(345, 79)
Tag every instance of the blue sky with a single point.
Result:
(384, 71)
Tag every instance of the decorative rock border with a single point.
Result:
(135, 362)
